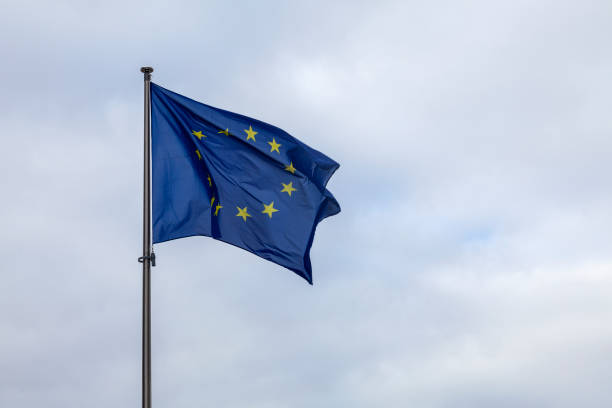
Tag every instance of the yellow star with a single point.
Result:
(242, 212)
(209, 182)
(217, 208)
(198, 134)
(288, 188)
(199, 155)
(250, 133)
(290, 168)
(225, 132)
(269, 209)
(274, 145)
(212, 200)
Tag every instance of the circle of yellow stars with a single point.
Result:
(274, 147)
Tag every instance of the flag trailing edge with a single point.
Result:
(236, 179)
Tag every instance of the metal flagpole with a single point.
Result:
(147, 257)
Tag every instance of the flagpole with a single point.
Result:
(147, 258)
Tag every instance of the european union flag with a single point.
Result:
(236, 179)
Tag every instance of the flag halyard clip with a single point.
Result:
(149, 258)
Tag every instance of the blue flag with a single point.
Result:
(236, 179)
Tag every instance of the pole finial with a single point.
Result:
(147, 72)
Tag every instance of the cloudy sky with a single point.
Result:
(471, 263)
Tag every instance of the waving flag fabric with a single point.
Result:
(236, 179)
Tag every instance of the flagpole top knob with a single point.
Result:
(147, 72)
